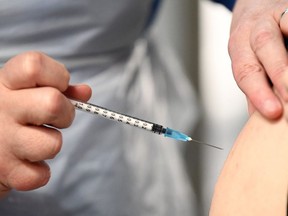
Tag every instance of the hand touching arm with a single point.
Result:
(259, 57)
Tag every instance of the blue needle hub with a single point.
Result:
(176, 135)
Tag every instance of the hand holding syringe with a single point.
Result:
(25, 141)
(33, 91)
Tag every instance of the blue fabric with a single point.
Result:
(227, 3)
(154, 9)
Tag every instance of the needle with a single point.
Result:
(133, 121)
(207, 144)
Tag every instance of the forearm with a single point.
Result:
(254, 178)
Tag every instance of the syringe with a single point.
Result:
(136, 122)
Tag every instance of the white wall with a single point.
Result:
(224, 103)
(178, 25)
(199, 31)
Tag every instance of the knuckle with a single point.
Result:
(58, 111)
(23, 180)
(261, 38)
(32, 64)
(43, 143)
(246, 72)
(56, 146)
(46, 147)
(54, 103)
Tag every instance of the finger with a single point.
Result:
(80, 92)
(35, 143)
(41, 106)
(24, 175)
(32, 69)
(251, 77)
(267, 43)
(263, 97)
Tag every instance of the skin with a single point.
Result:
(258, 55)
(33, 90)
(254, 179)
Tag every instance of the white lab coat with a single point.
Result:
(106, 168)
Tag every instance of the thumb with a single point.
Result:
(80, 92)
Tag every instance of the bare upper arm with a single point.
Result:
(255, 175)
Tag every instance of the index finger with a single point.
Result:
(250, 74)
(32, 69)
(267, 43)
